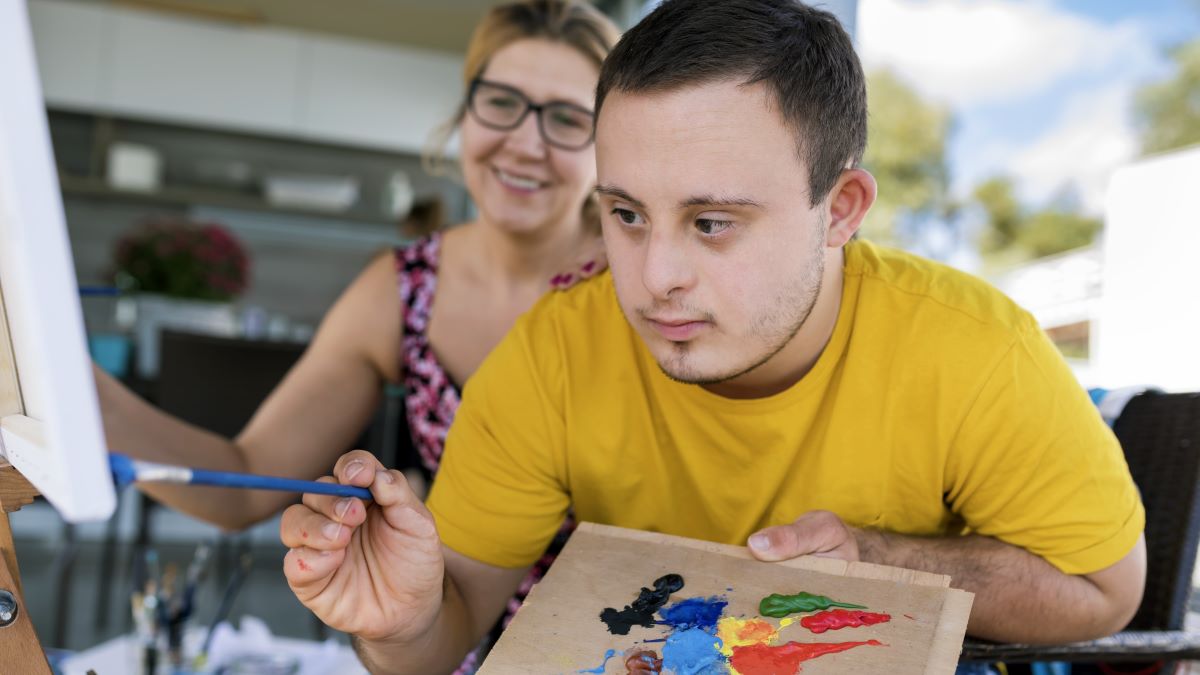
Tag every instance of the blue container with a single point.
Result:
(111, 352)
(108, 343)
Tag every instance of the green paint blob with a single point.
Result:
(779, 606)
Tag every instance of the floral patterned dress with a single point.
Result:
(432, 397)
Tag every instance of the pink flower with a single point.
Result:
(184, 259)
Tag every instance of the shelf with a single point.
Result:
(187, 196)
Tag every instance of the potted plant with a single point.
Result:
(185, 275)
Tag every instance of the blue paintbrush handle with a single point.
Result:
(248, 480)
(126, 471)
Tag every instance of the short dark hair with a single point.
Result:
(802, 54)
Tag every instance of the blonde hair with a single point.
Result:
(574, 23)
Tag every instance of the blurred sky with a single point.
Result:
(1041, 90)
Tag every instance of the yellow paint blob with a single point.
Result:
(735, 632)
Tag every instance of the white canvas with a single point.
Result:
(58, 442)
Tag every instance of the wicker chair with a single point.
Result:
(1160, 434)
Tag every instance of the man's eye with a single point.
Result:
(626, 216)
(708, 226)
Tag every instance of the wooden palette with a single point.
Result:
(558, 630)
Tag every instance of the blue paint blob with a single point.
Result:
(600, 668)
(694, 613)
(694, 652)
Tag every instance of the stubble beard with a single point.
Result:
(774, 329)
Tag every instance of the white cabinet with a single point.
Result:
(156, 66)
(204, 73)
(72, 42)
(389, 97)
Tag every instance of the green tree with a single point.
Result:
(1169, 111)
(1015, 234)
(997, 198)
(1053, 231)
(906, 153)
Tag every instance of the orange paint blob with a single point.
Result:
(785, 659)
(643, 662)
(735, 632)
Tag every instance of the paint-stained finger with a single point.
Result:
(301, 526)
(305, 567)
(349, 511)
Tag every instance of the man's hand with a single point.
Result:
(1019, 596)
(819, 533)
(372, 569)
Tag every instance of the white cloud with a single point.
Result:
(971, 52)
(1093, 136)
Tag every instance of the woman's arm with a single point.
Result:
(306, 423)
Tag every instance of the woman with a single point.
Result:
(429, 314)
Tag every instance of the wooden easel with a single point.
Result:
(20, 651)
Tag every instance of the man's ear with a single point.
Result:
(849, 201)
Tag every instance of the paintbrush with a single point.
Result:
(195, 574)
(231, 591)
(126, 470)
(147, 607)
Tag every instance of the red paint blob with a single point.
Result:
(303, 534)
(834, 619)
(785, 659)
(303, 565)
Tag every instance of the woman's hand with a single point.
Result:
(373, 569)
(588, 264)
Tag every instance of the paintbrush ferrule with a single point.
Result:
(161, 473)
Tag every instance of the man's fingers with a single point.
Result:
(819, 533)
(349, 511)
(301, 526)
(308, 570)
(356, 467)
(776, 543)
(401, 506)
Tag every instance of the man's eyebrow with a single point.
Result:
(719, 200)
(618, 193)
(696, 200)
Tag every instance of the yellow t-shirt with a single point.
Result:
(937, 407)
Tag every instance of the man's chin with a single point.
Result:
(688, 363)
(685, 369)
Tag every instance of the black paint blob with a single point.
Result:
(641, 612)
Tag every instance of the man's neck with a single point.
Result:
(800, 354)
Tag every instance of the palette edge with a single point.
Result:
(862, 570)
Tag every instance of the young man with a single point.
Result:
(747, 374)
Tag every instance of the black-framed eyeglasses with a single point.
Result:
(501, 107)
